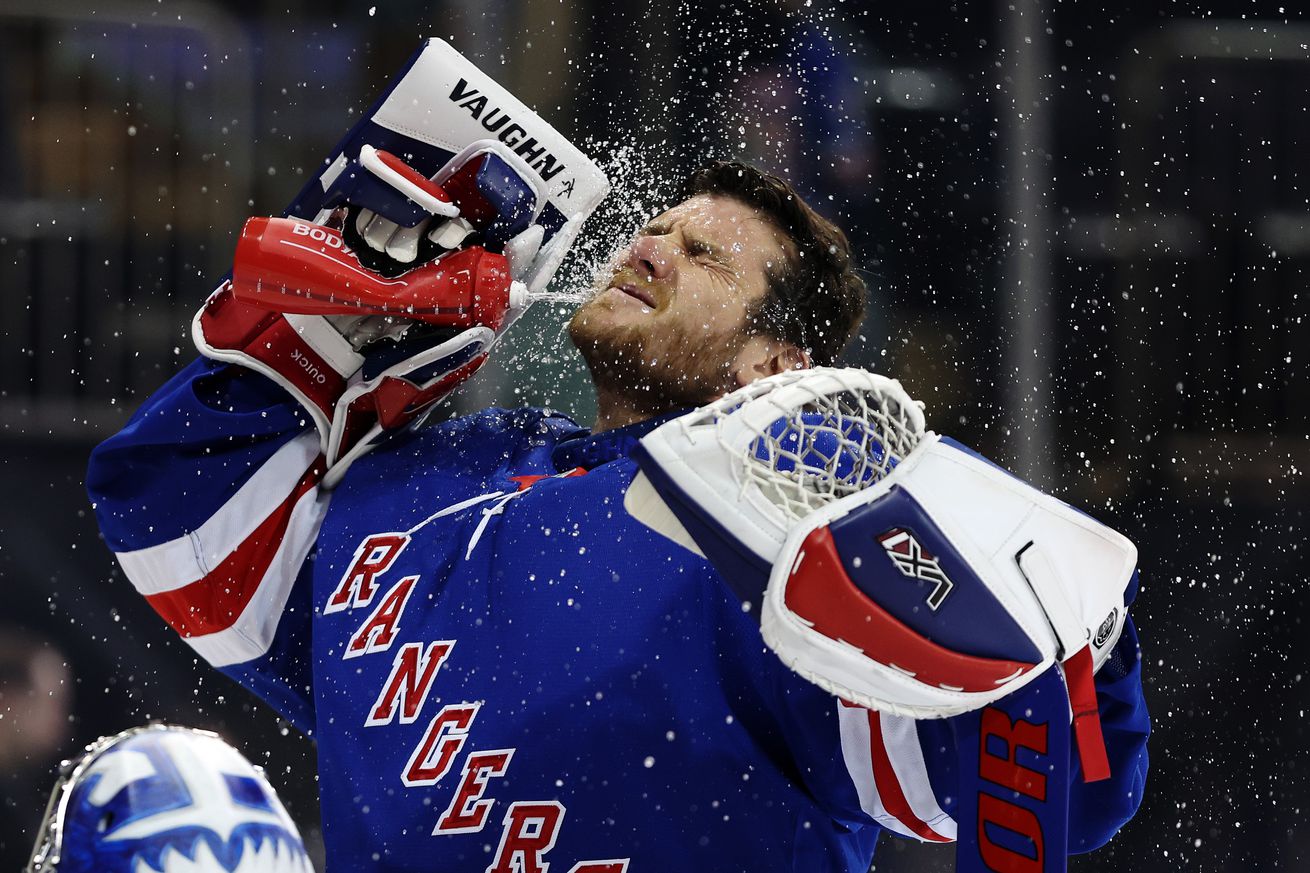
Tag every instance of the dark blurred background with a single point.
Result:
(1086, 227)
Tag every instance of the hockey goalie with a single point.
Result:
(752, 618)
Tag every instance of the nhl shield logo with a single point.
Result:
(914, 561)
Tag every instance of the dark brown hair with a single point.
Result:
(815, 300)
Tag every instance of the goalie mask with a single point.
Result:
(904, 572)
(167, 799)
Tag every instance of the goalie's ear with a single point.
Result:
(763, 356)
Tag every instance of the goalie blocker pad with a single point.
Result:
(942, 587)
(441, 113)
(440, 106)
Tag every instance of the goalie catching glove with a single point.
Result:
(398, 268)
(890, 566)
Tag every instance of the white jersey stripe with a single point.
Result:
(251, 635)
(187, 559)
(854, 725)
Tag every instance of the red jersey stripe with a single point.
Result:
(215, 602)
(889, 786)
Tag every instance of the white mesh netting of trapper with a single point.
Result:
(833, 438)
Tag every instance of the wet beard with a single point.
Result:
(655, 377)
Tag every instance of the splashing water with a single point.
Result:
(573, 297)
(636, 194)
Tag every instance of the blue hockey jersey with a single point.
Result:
(502, 669)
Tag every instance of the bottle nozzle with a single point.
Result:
(518, 295)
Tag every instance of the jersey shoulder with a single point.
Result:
(525, 422)
(475, 445)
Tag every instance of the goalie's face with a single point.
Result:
(669, 326)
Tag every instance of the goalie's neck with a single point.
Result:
(590, 450)
(615, 409)
(615, 412)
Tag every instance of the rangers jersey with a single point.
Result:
(502, 669)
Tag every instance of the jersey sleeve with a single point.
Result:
(1097, 810)
(210, 500)
(902, 774)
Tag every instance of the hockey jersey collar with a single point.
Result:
(588, 450)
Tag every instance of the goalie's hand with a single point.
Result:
(309, 306)
(364, 355)
(496, 210)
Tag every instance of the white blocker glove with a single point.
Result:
(420, 253)
(363, 353)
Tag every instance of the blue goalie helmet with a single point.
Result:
(165, 799)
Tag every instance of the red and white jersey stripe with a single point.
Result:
(885, 759)
(224, 585)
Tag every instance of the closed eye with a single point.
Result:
(698, 249)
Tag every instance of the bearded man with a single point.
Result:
(739, 281)
(505, 670)
(502, 669)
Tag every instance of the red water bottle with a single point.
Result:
(296, 266)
